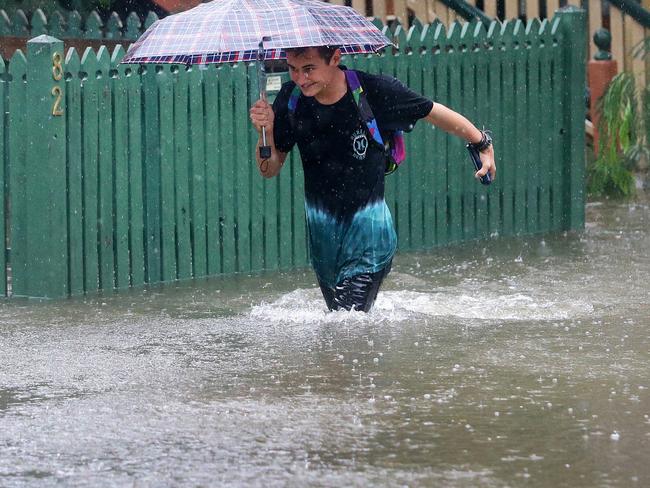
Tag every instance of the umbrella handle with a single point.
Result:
(265, 149)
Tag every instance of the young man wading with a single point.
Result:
(351, 234)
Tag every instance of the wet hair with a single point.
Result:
(325, 52)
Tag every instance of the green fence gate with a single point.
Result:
(118, 175)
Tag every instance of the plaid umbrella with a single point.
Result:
(225, 31)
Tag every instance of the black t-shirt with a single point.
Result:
(351, 229)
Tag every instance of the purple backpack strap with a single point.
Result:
(363, 106)
(353, 80)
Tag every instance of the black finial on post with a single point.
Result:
(603, 41)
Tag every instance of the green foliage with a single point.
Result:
(622, 142)
(86, 6)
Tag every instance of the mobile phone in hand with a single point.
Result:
(476, 160)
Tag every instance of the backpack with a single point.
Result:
(394, 148)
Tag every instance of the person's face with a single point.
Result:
(311, 72)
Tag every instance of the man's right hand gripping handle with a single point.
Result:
(269, 159)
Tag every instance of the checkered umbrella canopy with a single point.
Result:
(225, 31)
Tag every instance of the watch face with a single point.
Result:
(487, 140)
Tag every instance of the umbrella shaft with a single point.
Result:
(262, 83)
(261, 77)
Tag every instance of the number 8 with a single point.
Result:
(57, 69)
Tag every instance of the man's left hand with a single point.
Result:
(488, 164)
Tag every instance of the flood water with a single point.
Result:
(513, 362)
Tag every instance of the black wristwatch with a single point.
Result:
(484, 143)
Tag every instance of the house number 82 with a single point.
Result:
(57, 74)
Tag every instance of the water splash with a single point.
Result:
(307, 306)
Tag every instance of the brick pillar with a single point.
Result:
(600, 71)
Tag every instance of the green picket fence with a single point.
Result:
(121, 175)
(70, 24)
(4, 110)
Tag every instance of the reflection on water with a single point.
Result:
(515, 362)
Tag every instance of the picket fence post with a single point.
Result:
(41, 267)
(573, 30)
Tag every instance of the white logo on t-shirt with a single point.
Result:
(360, 144)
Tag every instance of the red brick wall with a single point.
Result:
(173, 6)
